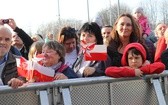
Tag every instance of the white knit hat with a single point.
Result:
(138, 9)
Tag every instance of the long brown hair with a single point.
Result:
(134, 37)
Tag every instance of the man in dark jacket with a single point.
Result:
(8, 68)
(21, 39)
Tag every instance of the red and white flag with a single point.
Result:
(98, 53)
(94, 52)
(33, 70)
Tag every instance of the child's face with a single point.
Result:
(134, 61)
(137, 15)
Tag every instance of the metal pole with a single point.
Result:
(88, 10)
(118, 8)
(110, 12)
(58, 12)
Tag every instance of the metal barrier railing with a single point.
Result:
(150, 90)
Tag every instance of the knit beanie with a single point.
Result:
(138, 9)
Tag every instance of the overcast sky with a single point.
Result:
(28, 14)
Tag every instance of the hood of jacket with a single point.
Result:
(138, 46)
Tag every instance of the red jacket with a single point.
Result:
(161, 46)
(118, 72)
(126, 71)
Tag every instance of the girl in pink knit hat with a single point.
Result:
(138, 13)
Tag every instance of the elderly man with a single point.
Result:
(160, 29)
(161, 43)
(8, 68)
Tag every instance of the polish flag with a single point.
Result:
(21, 66)
(93, 52)
(98, 53)
(33, 70)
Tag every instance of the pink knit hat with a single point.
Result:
(138, 9)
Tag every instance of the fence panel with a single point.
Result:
(93, 94)
(19, 98)
(134, 92)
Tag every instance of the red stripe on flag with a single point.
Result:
(96, 57)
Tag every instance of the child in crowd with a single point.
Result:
(138, 13)
(35, 49)
(134, 63)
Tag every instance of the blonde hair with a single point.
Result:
(36, 48)
(37, 37)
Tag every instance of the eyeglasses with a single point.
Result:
(49, 52)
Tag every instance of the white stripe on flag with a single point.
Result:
(99, 49)
(44, 70)
(18, 62)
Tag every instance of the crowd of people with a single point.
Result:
(131, 50)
